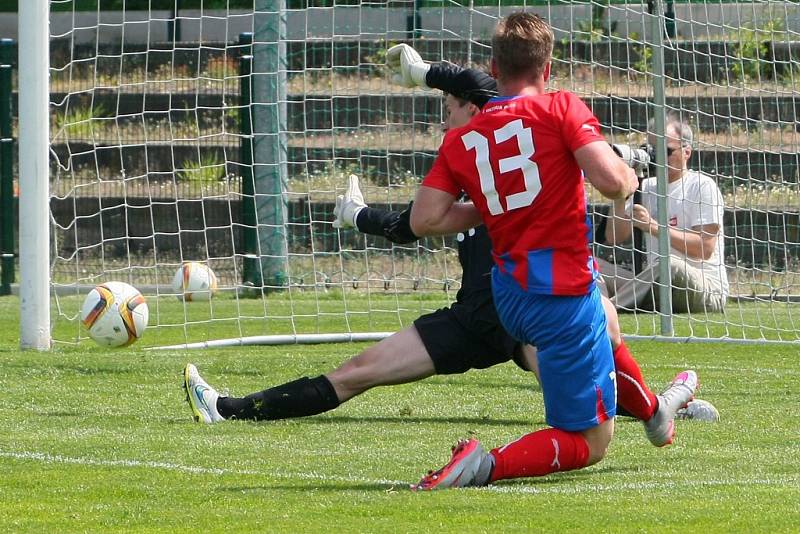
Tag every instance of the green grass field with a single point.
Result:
(97, 440)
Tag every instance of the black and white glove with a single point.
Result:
(348, 205)
(407, 66)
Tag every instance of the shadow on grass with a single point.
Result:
(343, 419)
(592, 474)
(470, 380)
(113, 368)
(402, 419)
(455, 380)
(303, 487)
(566, 479)
(60, 414)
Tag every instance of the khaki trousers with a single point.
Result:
(691, 290)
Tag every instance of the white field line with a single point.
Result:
(644, 486)
(58, 459)
(726, 368)
(564, 489)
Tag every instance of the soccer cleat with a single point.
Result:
(699, 410)
(202, 398)
(469, 465)
(660, 428)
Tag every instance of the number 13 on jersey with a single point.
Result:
(522, 161)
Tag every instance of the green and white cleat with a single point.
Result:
(201, 397)
(699, 410)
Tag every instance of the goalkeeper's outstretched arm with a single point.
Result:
(393, 225)
(351, 211)
(470, 84)
(409, 70)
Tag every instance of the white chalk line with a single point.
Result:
(562, 489)
(644, 486)
(725, 368)
(58, 459)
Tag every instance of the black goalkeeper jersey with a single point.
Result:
(475, 257)
(474, 247)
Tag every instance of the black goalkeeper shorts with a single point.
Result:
(467, 335)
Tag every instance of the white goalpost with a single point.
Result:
(221, 132)
(34, 223)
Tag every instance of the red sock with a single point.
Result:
(540, 453)
(632, 393)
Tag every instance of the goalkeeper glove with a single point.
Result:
(407, 66)
(348, 206)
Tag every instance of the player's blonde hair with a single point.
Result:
(522, 45)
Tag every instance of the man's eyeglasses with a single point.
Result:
(670, 150)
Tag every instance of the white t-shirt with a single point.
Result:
(692, 201)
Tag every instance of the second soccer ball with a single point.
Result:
(194, 281)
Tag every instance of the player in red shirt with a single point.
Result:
(466, 335)
(522, 161)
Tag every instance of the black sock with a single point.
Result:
(299, 398)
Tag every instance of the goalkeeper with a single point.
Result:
(467, 335)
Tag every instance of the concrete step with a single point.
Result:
(325, 111)
(211, 227)
(163, 157)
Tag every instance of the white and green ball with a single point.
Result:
(194, 281)
(115, 314)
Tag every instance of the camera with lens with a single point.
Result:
(639, 159)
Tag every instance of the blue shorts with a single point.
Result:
(576, 364)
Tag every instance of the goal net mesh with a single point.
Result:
(222, 132)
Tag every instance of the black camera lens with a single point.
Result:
(651, 152)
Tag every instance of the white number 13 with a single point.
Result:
(522, 161)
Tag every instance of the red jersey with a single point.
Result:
(515, 161)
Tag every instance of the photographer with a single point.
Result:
(699, 282)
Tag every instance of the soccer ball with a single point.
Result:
(115, 314)
(194, 281)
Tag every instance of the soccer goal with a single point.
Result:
(221, 132)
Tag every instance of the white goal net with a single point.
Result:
(222, 131)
